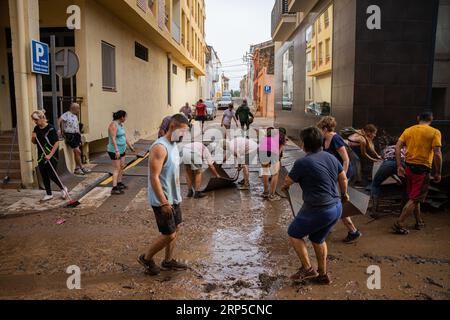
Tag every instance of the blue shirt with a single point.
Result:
(337, 143)
(318, 174)
(169, 177)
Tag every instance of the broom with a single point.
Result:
(72, 203)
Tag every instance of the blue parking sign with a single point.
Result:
(267, 89)
(39, 57)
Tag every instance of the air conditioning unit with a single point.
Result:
(189, 74)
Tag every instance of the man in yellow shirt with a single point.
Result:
(423, 145)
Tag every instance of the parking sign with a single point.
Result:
(267, 89)
(39, 57)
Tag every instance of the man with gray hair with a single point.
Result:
(69, 128)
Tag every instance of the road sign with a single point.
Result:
(67, 63)
(267, 89)
(39, 57)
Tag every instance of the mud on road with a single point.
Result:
(236, 244)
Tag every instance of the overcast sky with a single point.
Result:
(232, 26)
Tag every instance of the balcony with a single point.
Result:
(304, 6)
(283, 22)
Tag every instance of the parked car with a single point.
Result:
(211, 109)
(224, 102)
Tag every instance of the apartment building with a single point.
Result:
(212, 79)
(263, 66)
(145, 57)
(330, 60)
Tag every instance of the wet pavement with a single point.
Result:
(235, 242)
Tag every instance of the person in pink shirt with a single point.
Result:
(269, 155)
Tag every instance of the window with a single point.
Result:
(326, 17)
(309, 34)
(308, 62)
(313, 57)
(169, 81)
(288, 79)
(140, 51)
(174, 69)
(327, 51)
(320, 53)
(108, 66)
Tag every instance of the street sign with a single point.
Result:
(39, 57)
(67, 63)
(267, 89)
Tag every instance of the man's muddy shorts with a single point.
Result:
(315, 223)
(168, 226)
(417, 182)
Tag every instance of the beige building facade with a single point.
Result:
(145, 57)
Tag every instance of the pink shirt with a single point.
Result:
(270, 144)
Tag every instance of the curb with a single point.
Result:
(77, 196)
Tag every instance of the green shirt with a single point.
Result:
(243, 113)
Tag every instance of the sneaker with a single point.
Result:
(47, 198)
(64, 193)
(190, 193)
(116, 191)
(265, 195)
(122, 186)
(274, 197)
(174, 265)
(244, 187)
(199, 195)
(86, 170)
(323, 279)
(79, 172)
(352, 237)
(304, 274)
(150, 266)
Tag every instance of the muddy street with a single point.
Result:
(236, 245)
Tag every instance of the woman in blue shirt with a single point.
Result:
(335, 145)
(117, 147)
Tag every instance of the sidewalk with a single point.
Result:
(23, 202)
(15, 203)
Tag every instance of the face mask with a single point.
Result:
(178, 135)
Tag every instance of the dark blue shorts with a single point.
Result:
(315, 223)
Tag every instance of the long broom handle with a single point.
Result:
(54, 171)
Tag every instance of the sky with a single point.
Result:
(232, 26)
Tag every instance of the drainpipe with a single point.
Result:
(26, 155)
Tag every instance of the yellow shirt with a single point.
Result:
(420, 141)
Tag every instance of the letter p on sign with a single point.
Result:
(39, 52)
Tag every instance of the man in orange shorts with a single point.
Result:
(423, 146)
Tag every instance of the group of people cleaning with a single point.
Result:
(323, 174)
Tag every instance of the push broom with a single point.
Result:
(72, 203)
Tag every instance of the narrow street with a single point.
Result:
(235, 242)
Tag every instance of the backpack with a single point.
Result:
(346, 133)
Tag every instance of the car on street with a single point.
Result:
(211, 109)
(224, 102)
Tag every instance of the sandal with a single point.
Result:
(398, 229)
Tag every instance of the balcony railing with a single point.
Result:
(280, 10)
